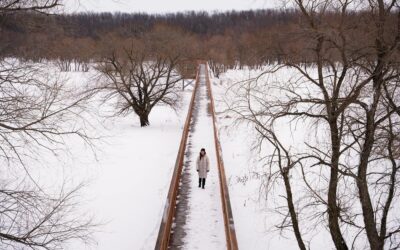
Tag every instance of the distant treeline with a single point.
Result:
(94, 25)
(226, 39)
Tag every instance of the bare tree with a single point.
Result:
(382, 72)
(342, 96)
(12, 6)
(281, 161)
(140, 77)
(39, 110)
(36, 109)
(30, 219)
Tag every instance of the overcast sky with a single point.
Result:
(163, 6)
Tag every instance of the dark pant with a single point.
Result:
(202, 182)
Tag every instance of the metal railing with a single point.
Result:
(231, 240)
(169, 209)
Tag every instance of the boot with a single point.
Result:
(199, 182)
(204, 182)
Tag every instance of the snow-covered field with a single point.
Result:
(127, 171)
(254, 212)
(132, 176)
(236, 140)
(257, 191)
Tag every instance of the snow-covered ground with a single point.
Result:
(132, 179)
(255, 214)
(236, 141)
(132, 176)
(128, 171)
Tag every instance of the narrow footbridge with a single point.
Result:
(196, 218)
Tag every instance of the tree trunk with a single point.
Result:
(333, 209)
(144, 120)
(375, 241)
(292, 211)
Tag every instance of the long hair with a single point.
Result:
(201, 156)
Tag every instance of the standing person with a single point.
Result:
(203, 167)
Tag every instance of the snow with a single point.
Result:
(133, 175)
(127, 171)
(257, 196)
(133, 178)
(254, 212)
(205, 224)
(131, 169)
(236, 142)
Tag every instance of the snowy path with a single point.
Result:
(199, 220)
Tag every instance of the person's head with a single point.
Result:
(202, 152)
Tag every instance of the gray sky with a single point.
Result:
(163, 6)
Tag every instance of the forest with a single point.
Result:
(225, 39)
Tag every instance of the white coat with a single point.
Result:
(203, 166)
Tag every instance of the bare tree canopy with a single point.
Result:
(36, 110)
(142, 75)
(30, 219)
(347, 98)
(9, 6)
(39, 110)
